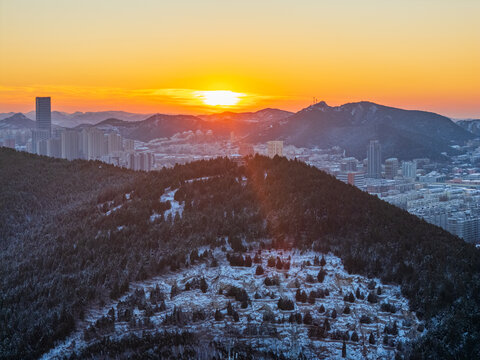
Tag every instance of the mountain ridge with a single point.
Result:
(352, 125)
(17, 121)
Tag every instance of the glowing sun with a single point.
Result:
(220, 97)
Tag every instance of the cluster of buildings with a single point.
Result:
(88, 143)
(419, 187)
(453, 208)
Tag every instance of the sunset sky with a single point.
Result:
(160, 56)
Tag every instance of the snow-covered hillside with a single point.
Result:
(229, 304)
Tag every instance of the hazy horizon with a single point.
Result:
(221, 110)
(163, 57)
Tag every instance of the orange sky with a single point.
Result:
(152, 56)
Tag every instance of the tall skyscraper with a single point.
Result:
(274, 148)
(43, 129)
(43, 114)
(374, 158)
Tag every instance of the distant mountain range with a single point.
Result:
(222, 124)
(472, 125)
(16, 121)
(154, 127)
(404, 134)
(74, 119)
(268, 115)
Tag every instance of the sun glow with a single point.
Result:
(220, 97)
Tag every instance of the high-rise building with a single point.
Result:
(54, 147)
(131, 160)
(391, 168)
(465, 226)
(356, 178)
(9, 143)
(409, 169)
(70, 145)
(57, 132)
(348, 164)
(38, 135)
(42, 147)
(83, 143)
(374, 158)
(128, 144)
(97, 146)
(43, 128)
(43, 114)
(114, 141)
(274, 148)
(28, 146)
(147, 160)
(140, 161)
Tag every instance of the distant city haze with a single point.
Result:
(156, 56)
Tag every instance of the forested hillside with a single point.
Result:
(77, 234)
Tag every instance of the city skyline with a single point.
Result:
(423, 56)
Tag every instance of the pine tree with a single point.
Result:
(354, 336)
(236, 318)
(298, 295)
(271, 261)
(259, 270)
(174, 291)
(307, 319)
(321, 275)
(323, 262)
(358, 294)
(344, 349)
(385, 340)
(334, 314)
(203, 285)
(218, 315)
